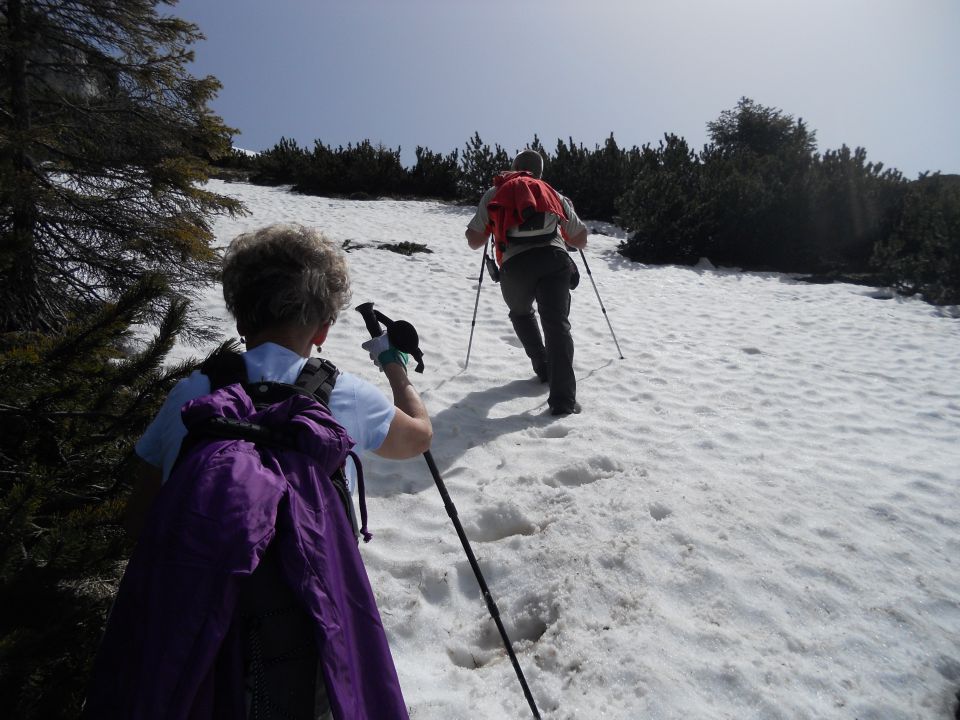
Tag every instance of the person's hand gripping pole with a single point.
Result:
(397, 344)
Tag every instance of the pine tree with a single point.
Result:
(102, 147)
(663, 208)
(855, 205)
(71, 406)
(606, 170)
(105, 140)
(568, 172)
(478, 165)
(922, 254)
(434, 175)
(283, 164)
(757, 170)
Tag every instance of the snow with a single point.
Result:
(755, 516)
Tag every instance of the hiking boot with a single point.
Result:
(566, 409)
(542, 372)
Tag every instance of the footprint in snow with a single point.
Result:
(499, 522)
(658, 511)
(434, 587)
(584, 472)
(553, 431)
(527, 620)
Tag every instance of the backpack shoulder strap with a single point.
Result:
(224, 368)
(318, 377)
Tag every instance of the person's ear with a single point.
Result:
(321, 337)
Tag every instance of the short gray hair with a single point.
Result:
(283, 275)
(529, 160)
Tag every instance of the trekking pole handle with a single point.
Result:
(370, 319)
(403, 336)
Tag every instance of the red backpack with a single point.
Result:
(521, 202)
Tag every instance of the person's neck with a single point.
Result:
(293, 341)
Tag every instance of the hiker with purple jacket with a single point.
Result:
(233, 530)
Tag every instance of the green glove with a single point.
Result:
(391, 354)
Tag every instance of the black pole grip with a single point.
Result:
(370, 319)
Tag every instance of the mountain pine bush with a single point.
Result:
(922, 254)
(71, 406)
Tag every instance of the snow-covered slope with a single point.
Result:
(755, 516)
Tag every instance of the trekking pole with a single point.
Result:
(372, 319)
(485, 591)
(584, 258)
(476, 304)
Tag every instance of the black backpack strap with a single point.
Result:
(318, 378)
(532, 220)
(224, 368)
(228, 367)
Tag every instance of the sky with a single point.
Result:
(753, 518)
(881, 74)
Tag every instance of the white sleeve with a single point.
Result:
(573, 225)
(362, 409)
(481, 219)
(160, 443)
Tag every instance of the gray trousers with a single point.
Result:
(542, 275)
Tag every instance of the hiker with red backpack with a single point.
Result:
(533, 226)
(246, 595)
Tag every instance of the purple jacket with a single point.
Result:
(169, 650)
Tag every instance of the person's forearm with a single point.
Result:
(405, 395)
(475, 240)
(578, 240)
(410, 430)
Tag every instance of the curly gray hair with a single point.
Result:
(284, 274)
